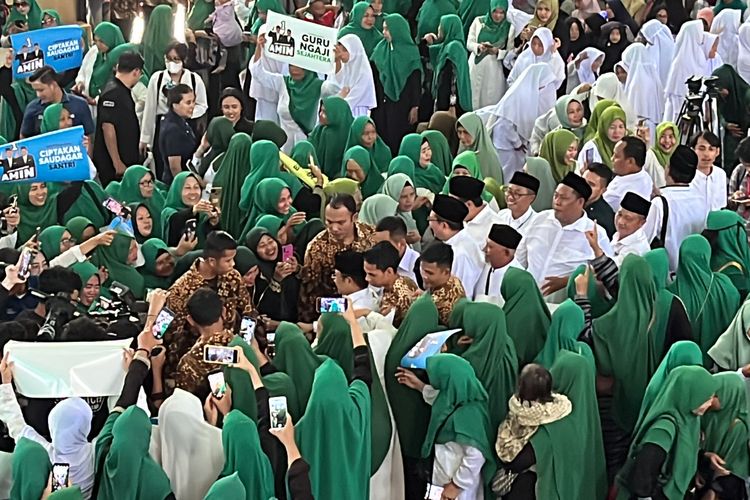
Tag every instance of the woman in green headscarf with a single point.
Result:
(734, 108)
(725, 434)
(467, 163)
(295, 357)
(710, 298)
(27, 11)
(81, 229)
(526, 314)
(198, 14)
(610, 129)
(273, 197)
(267, 130)
(430, 13)
(218, 134)
(663, 456)
(730, 254)
(303, 88)
(226, 487)
(30, 470)
(362, 24)
(335, 341)
(667, 140)
(398, 81)
(244, 456)
(124, 466)
(401, 165)
(236, 166)
(363, 133)
(303, 153)
(91, 281)
(54, 240)
(38, 209)
(596, 113)
(450, 67)
(540, 168)
(265, 163)
(107, 36)
(118, 259)
(156, 36)
(426, 175)
(567, 324)
(179, 207)
(158, 266)
(357, 164)
(376, 208)
(442, 156)
(490, 35)
(138, 186)
(55, 117)
(474, 137)
(83, 198)
(329, 137)
(401, 189)
(334, 434)
(560, 148)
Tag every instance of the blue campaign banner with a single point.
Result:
(58, 156)
(60, 47)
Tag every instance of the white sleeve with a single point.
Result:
(87, 68)
(10, 413)
(148, 122)
(201, 101)
(652, 228)
(465, 270)
(469, 469)
(604, 243)
(429, 394)
(9, 241)
(522, 253)
(471, 40)
(68, 258)
(271, 80)
(540, 130)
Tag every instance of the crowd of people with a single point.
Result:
(501, 251)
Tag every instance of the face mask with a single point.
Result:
(174, 67)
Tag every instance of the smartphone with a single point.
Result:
(247, 328)
(14, 203)
(36, 233)
(163, 320)
(215, 196)
(217, 384)
(434, 492)
(191, 226)
(287, 252)
(589, 157)
(271, 347)
(220, 355)
(331, 304)
(277, 410)
(113, 206)
(24, 262)
(60, 474)
(206, 194)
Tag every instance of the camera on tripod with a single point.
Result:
(698, 110)
(123, 304)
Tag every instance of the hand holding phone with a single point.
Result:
(24, 263)
(220, 355)
(161, 325)
(191, 226)
(287, 252)
(278, 410)
(217, 384)
(331, 304)
(247, 329)
(60, 476)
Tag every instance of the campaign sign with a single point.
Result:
(301, 43)
(60, 47)
(58, 156)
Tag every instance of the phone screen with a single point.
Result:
(277, 410)
(331, 305)
(434, 492)
(271, 347)
(287, 252)
(589, 157)
(206, 194)
(215, 196)
(247, 328)
(24, 263)
(190, 228)
(60, 476)
(220, 355)
(163, 320)
(217, 384)
(113, 206)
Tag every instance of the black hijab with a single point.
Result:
(612, 51)
(575, 47)
(594, 23)
(623, 16)
(243, 124)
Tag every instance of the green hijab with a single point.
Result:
(725, 431)
(554, 148)
(593, 125)
(156, 37)
(526, 314)
(430, 13)
(369, 37)
(33, 18)
(295, 357)
(567, 447)
(561, 111)
(491, 32)
(218, 134)
(267, 194)
(335, 342)
(31, 215)
(89, 204)
(301, 153)
(85, 270)
(77, 225)
(50, 239)
(114, 259)
(173, 202)
(152, 249)
(72, 493)
(24, 94)
(226, 487)
(661, 155)
(735, 107)
(266, 130)
(376, 208)
(600, 304)
(452, 48)
(491, 354)
(541, 169)
(244, 456)
(603, 143)
(730, 253)
(410, 413)
(51, 118)
(429, 177)
(659, 262)
(334, 435)
(441, 150)
(488, 160)
(469, 10)
(393, 187)
(30, 471)
(626, 346)
(398, 59)
(128, 472)
(198, 14)
(128, 191)
(710, 298)
(304, 98)
(470, 161)
(104, 65)
(235, 167)
(671, 424)
(380, 154)
(567, 324)
(373, 180)
(330, 139)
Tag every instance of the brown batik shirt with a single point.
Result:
(445, 298)
(192, 370)
(399, 298)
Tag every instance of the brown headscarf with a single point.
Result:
(445, 123)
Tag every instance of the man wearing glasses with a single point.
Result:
(520, 193)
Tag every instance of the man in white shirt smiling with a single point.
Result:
(556, 244)
(710, 181)
(629, 220)
(519, 195)
(628, 159)
(480, 218)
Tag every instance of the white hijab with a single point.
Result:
(643, 87)
(660, 46)
(607, 86)
(192, 454)
(712, 63)
(743, 53)
(532, 95)
(550, 56)
(727, 24)
(585, 71)
(356, 74)
(690, 58)
(69, 426)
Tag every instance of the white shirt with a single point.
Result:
(637, 243)
(522, 224)
(156, 102)
(468, 260)
(551, 249)
(687, 215)
(490, 282)
(639, 183)
(408, 261)
(479, 227)
(364, 299)
(712, 187)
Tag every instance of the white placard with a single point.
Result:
(301, 43)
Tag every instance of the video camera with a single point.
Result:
(61, 309)
(123, 304)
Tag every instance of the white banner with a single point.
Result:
(66, 369)
(301, 43)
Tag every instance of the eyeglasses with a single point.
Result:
(146, 183)
(514, 193)
(20, 4)
(68, 241)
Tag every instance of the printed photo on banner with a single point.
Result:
(301, 43)
(60, 47)
(54, 157)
